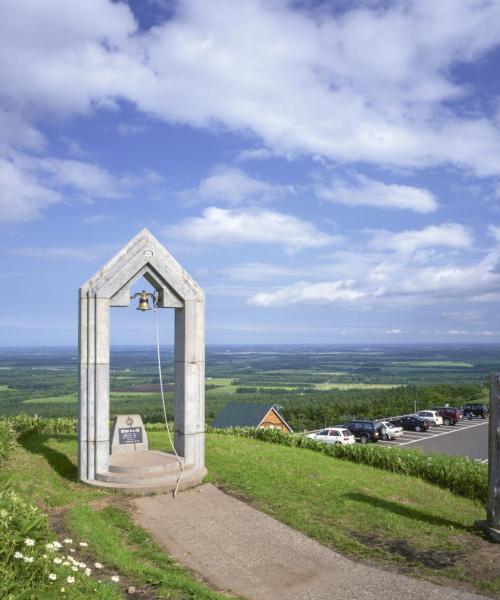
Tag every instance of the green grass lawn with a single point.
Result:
(357, 509)
(362, 511)
(43, 468)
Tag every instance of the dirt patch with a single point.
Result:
(483, 561)
(434, 559)
(129, 588)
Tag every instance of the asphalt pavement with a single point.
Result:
(466, 438)
(245, 552)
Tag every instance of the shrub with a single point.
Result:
(7, 438)
(460, 475)
(24, 423)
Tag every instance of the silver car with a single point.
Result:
(391, 431)
(333, 435)
(430, 415)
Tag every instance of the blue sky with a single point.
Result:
(328, 171)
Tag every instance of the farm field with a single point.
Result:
(314, 386)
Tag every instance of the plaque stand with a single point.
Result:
(128, 435)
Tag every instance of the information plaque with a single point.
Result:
(130, 435)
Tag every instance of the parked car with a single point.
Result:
(430, 415)
(366, 431)
(411, 423)
(391, 431)
(474, 409)
(333, 435)
(450, 414)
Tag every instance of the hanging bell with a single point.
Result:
(143, 302)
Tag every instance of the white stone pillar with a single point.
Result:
(82, 387)
(189, 377)
(101, 413)
(93, 389)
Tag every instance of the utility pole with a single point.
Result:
(491, 526)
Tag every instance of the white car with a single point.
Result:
(333, 435)
(391, 431)
(430, 415)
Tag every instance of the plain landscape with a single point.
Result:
(397, 508)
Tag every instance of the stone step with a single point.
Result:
(192, 477)
(141, 478)
(139, 463)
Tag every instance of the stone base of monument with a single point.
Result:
(492, 534)
(148, 472)
(134, 469)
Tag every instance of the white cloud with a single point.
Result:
(451, 235)
(233, 186)
(259, 272)
(29, 184)
(15, 131)
(224, 227)
(379, 195)
(254, 154)
(63, 252)
(406, 285)
(309, 293)
(22, 197)
(405, 271)
(127, 130)
(238, 64)
(494, 232)
(85, 177)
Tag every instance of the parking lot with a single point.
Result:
(466, 438)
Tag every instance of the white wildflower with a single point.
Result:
(49, 546)
(83, 544)
(98, 565)
(52, 576)
(72, 550)
(57, 544)
(68, 541)
(57, 560)
(82, 565)
(115, 578)
(63, 590)
(28, 559)
(29, 542)
(88, 571)
(70, 579)
(66, 563)
(74, 568)
(18, 554)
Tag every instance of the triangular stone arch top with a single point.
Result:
(143, 256)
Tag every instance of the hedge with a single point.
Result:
(461, 475)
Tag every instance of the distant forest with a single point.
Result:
(313, 386)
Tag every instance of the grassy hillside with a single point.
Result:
(395, 520)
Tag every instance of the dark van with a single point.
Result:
(473, 409)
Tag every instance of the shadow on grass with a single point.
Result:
(407, 511)
(37, 443)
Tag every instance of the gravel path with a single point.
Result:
(243, 551)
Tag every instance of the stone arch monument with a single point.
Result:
(144, 257)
